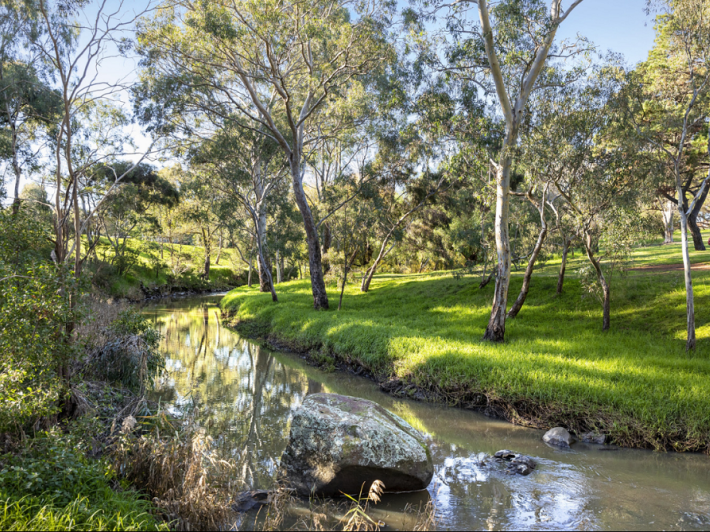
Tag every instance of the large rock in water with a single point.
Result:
(338, 443)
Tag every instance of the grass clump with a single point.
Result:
(635, 383)
(49, 484)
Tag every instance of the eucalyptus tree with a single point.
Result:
(28, 106)
(128, 205)
(675, 112)
(278, 64)
(506, 52)
(249, 167)
(90, 128)
(587, 151)
(675, 90)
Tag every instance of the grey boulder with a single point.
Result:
(343, 444)
(593, 437)
(558, 437)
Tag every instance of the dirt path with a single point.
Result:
(669, 267)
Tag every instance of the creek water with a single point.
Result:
(245, 395)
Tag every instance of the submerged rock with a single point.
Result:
(558, 437)
(523, 465)
(505, 454)
(593, 437)
(338, 443)
(246, 500)
(519, 463)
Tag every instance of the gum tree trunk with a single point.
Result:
(606, 292)
(320, 297)
(495, 331)
(698, 243)
(278, 268)
(263, 266)
(563, 266)
(668, 212)
(206, 242)
(689, 297)
(520, 301)
(367, 278)
(327, 240)
(219, 250)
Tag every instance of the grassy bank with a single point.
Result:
(156, 270)
(635, 383)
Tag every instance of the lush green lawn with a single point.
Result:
(557, 367)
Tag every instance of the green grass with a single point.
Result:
(222, 276)
(635, 382)
(48, 484)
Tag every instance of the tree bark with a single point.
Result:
(495, 331)
(367, 278)
(698, 243)
(219, 250)
(278, 268)
(563, 266)
(668, 211)
(207, 244)
(689, 296)
(520, 301)
(606, 292)
(693, 217)
(320, 297)
(327, 240)
(263, 265)
(348, 265)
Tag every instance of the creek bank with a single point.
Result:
(493, 407)
(341, 444)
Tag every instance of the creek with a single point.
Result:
(244, 395)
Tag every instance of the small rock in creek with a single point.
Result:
(523, 469)
(246, 500)
(339, 443)
(521, 459)
(593, 437)
(559, 437)
(505, 454)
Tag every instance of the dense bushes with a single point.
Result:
(49, 484)
(36, 313)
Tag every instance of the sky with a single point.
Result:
(617, 25)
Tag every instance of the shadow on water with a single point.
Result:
(245, 396)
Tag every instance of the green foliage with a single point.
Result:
(35, 309)
(51, 485)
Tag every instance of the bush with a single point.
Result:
(36, 317)
(130, 355)
(51, 485)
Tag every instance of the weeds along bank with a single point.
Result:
(420, 336)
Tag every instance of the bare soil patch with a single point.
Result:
(669, 267)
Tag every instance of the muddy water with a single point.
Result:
(246, 394)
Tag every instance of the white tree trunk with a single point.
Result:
(668, 214)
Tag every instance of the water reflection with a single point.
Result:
(245, 395)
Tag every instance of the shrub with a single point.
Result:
(50, 485)
(36, 317)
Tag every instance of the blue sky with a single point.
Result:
(617, 25)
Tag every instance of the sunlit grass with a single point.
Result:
(635, 382)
